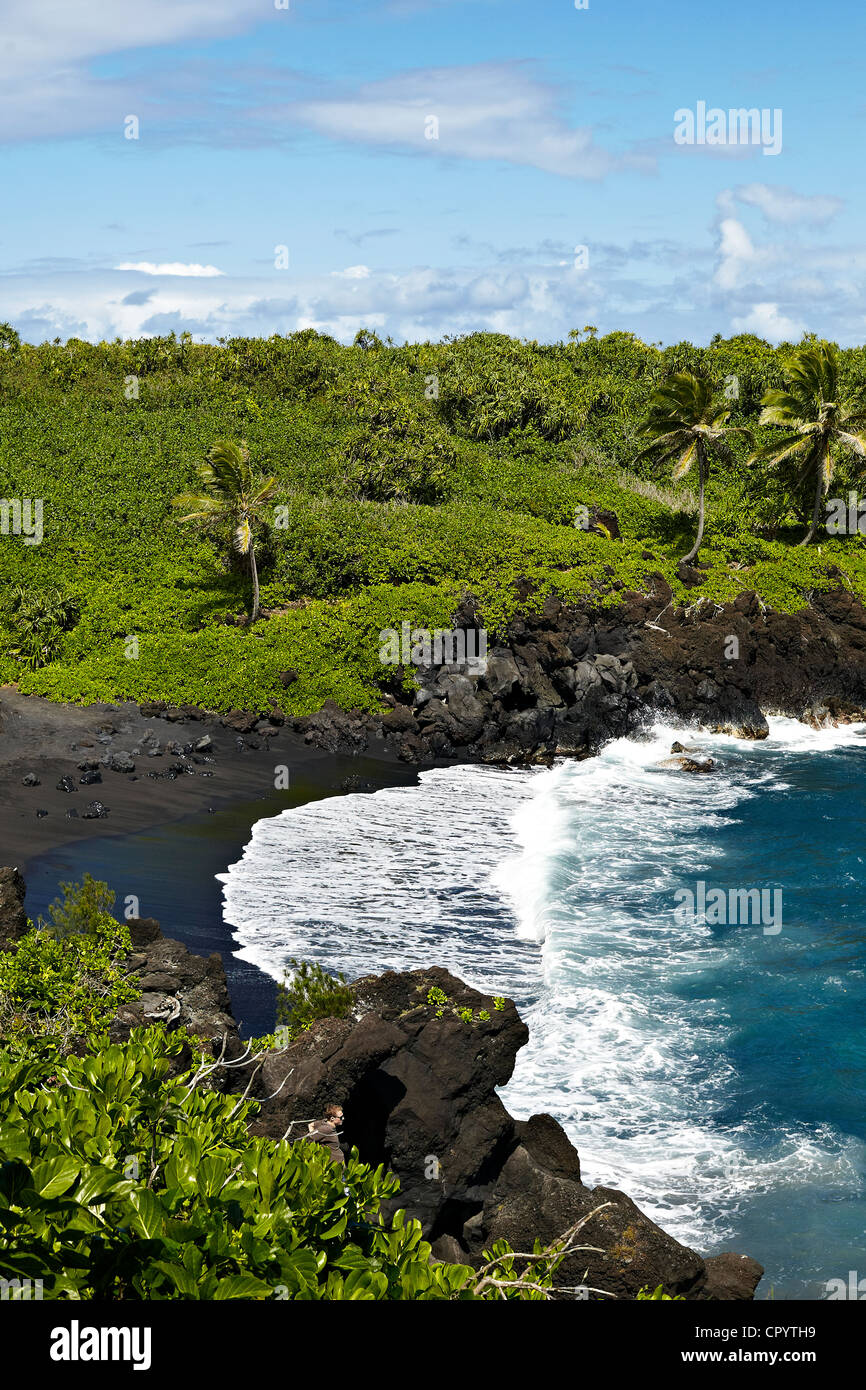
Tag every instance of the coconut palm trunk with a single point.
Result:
(254, 571)
(702, 476)
(819, 496)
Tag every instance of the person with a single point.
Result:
(326, 1132)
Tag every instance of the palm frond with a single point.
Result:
(687, 458)
(243, 536)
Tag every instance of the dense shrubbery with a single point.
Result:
(65, 980)
(122, 1181)
(127, 1174)
(405, 476)
(308, 992)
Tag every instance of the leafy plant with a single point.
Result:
(39, 620)
(85, 908)
(120, 1181)
(686, 421)
(56, 990)
(817, 423)
(235, 494)
(310, 992)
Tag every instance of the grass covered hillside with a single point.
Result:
(402, 479)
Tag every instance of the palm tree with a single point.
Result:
(686, 421)
(815, 421)
(232, 494)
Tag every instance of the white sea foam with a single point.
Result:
(556, 888)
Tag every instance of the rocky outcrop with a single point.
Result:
(416, 1067)
(565, 680)
(179, 989)
(13, 918)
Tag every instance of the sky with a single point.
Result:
(432, 167)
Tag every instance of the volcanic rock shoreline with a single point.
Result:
(559, 683)
(566, 680)
(417, 1075)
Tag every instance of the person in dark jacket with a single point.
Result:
(326, 1132)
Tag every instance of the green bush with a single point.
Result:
(55, 990)
(308, 993)
(406, 477)
(121, 1182)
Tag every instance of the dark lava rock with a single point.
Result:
(418, 1080)
(204, 745)
(564, 681)
(87, 779)
(40, 814)
(601, 521)
(180, 989)
(13, 918)
(30, 780)
(240, 720)
(121, 762)
(95, 811)
(72, 815)
(288, 677)
(152, 709)
(66, 784)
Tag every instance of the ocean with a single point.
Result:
(703, 1046)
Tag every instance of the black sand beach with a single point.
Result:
(164, 839)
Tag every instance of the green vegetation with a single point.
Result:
(120, 1181)
(65, 980)
(234, 495)
(686, 421)
(306, 994)
(816, 422)
(439, 1001)
(127, 1174)
(405, 478)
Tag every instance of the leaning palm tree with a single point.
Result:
(816, 422)
(232, 494)
(687, 421)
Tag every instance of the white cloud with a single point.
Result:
(56, 33)
(489, 111)
(353, 272)
(170, 268)
(766, 321)
(784, 205)
(46, 48)
(776, 290)
(737, 254)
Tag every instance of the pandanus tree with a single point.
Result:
(817, 424)
(234, 494)
(687, 422)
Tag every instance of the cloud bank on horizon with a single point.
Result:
(428, 167)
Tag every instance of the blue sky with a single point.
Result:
(307, 127)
